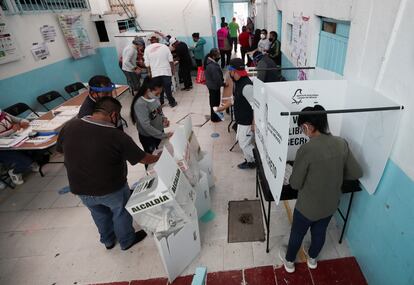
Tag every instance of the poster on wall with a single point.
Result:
(40, 51)
(300, 31)
(48, 33)
(76, 35)
(8, 49)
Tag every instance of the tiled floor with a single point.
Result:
(49, 238)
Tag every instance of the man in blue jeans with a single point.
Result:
(95, 158)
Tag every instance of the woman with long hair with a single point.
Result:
(321, 165)
(147, 115)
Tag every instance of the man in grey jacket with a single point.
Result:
(214, 80)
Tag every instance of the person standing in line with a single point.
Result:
(184, 59)
(129, 64)
(214, 81)
(234, 32)
(244, 40)
(223, 45)
(198, 49)
(321, 165)
(147, 115)
(160, 63)
(274, 50)
(95, 155)
(243, 112)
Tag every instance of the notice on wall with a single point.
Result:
(40, 51)
(8, 49)
(299, 50)
(76, 35)
(48, 33)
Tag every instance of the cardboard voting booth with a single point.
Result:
(163, 203)
(365, 118)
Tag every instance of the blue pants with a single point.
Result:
(166, 80)
(19, 161)
(300, 226)
(111, 218)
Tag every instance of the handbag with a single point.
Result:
(201, 78)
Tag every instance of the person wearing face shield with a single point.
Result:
(243, 112)
(214, 81)
(147, 115)
(321, 165)
(95, 155)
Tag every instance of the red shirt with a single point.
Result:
(244, 39)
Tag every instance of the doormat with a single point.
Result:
(245, 221)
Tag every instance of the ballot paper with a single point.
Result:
(40, 139)
(71, 111)
(53, 125)
(15, 138)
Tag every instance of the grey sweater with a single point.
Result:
(149, 118)
(213, 74)
(319, 169)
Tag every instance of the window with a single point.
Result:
(289, 30)
(126, 25)
(119, 7)
(24, 6)
(333, 44)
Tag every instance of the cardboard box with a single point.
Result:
(206, 165)
(203, 200)
(179, 249)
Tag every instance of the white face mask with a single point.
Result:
(262, 36)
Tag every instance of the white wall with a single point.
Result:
(26, 30)
(380, 51)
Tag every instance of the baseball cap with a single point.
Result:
(172, 41)
(138, 41)
(236, 64)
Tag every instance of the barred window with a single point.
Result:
(28, 6)
(126, 25)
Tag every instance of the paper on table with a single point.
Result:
(40, 139)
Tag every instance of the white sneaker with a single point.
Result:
(289, 266)
(2, 185)
(312, 263)
(34, 167)
(16, 178)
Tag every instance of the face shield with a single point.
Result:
(105, 91)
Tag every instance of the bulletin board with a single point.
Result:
(299, 52)
(8, 49)
(76, 35)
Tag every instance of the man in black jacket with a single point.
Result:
(214, 81)
(243, 112)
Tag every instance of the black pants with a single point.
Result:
(149, 144)
(223, 54)
(185, 73)
(199, 62)
(166, 81)
(214, 102)
(233, 41)
(243, 51)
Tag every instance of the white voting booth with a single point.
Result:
(365, 118)
(169, 201)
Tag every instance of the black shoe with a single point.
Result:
(111, 246)
(172, 105)
(243, 165)
(139, 236)
(251, 165)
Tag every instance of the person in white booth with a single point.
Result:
(160, 63)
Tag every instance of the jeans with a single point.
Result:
(133, 80)
(17, 160)
(166, 80)
(111, 218)
(300, 226)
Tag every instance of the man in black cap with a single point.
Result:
(243, 112)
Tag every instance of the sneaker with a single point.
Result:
(110, 246)
(172, 105)
(243, 165)
(251, 165)
(16, 178)
(139, 236)
(312, 263)
(35, 167)
(289, 266)
(2, 186)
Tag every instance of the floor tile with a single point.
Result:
(66, 200)
(301, 276)
(34, 183)
(155, 281)
(234, 277)
(238, 256)
(37, 220)
(17, 201)
(9, 221)
(43, 200)
(342, 271)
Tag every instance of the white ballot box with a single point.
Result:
(206, 164)
(203, 200)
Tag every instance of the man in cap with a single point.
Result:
(184, 58)
(160, 63)
(129, 64)
(243, 112)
